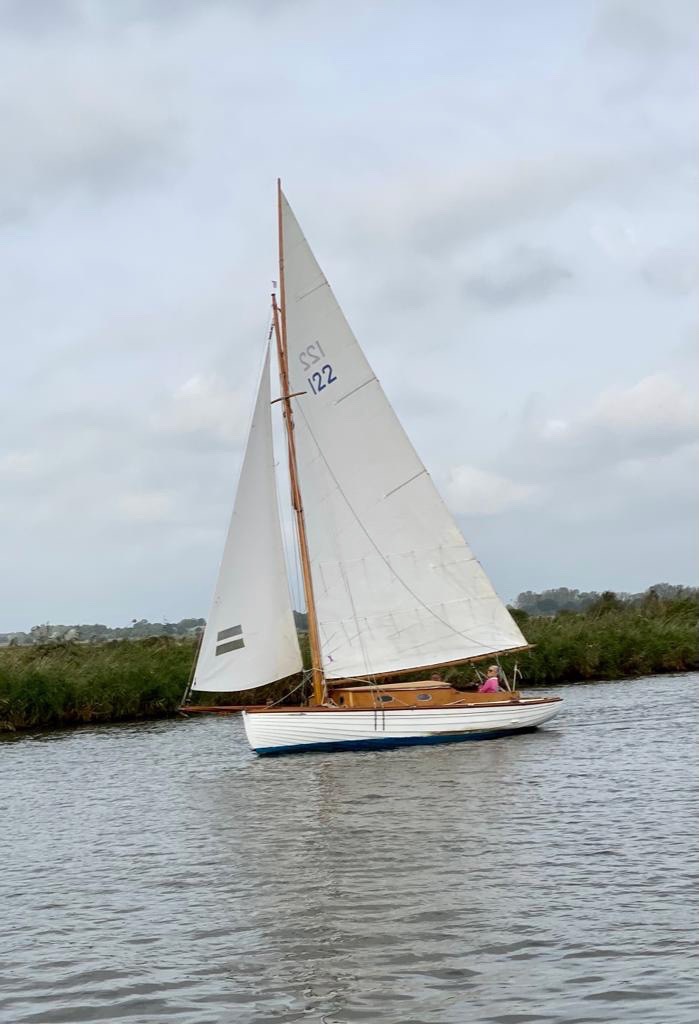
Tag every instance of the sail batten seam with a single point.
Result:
(355, 390)
(405, 483)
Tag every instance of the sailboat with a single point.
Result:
(391, 586)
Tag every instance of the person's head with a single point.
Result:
(493, 671)
(436, 677)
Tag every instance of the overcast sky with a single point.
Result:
(504, 197)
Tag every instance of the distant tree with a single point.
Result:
(301, 621)
(549, 602)
(607, 602)
(519, 615)
(563, 599)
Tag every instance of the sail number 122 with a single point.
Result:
(320, 378)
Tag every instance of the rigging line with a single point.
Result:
(376, 548)
(359, 632)
(290, 538)
(285, 539)
(188, 690)
(304, 673)
(356, 622)
(342, 642)
(399, 630)
(296, 562)
(287, 542)
(295, 565)
(288, 545)
(300, 594)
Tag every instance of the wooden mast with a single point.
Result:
(319, 686)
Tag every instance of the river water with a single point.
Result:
(160, 872)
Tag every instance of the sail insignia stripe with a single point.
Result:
(231, 631)
(234, 645)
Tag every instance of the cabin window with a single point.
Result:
(385, 697)
(340, 700)
(424, 696)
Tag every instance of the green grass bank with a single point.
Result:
(122, 680)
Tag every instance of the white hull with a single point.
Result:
(279, 732)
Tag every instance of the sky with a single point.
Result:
(504, 197)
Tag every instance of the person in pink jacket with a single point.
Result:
(492, 681)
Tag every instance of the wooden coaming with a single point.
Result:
(427, 694)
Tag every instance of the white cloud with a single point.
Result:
(651, 418)
(146, 506)
(673, 268)
(205, 407)
(18, 466)
(523, 274)
(658, 407)
(435, 217)
(98, 121)
(474, 492)
(645, 30)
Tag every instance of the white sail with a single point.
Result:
(250, 637)
(396, 586)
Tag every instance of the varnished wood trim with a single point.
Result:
(323, 708)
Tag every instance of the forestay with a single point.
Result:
(250, 636)
(396, 586)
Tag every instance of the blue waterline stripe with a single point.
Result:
(385, 742)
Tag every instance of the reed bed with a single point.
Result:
(71, 683)
(608, 641)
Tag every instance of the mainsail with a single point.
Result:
(396, 586)
(250, 637)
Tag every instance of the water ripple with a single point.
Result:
(161, 872)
